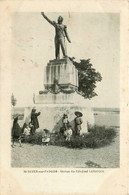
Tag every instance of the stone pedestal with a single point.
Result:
(50, 98)
(63, 71)
(60, 97)
(51, 116)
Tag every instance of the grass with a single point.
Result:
(52, 156)
(98, 136)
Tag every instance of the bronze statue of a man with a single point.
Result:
(60, 34)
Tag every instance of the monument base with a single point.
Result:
(63, 71)
(60, 97)
(54, 98)
(51, 116)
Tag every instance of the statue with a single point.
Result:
(60, 34)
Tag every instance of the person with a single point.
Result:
(31, 128)
(45, 137)
(68, 133)
(60, 34)
(34, 119)
(78, 122)
(65, 121)
(16, 132)
(27, 129)
(62, 131)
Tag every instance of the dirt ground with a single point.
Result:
(38, 156)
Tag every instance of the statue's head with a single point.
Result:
(60, 19)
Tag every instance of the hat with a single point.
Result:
(78, 113)
(46, 130)
(65, 115)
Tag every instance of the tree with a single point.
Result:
(13, 100)
(87, 77)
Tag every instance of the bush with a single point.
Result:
(58, 140)
(33, 139)
(100, 136)
(97, 137)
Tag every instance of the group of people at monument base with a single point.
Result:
(29, 129)
(67, 130)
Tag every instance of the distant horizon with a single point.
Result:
(64, 104)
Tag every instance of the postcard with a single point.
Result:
(64, 97)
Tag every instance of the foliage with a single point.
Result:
(98, 136)
(33, 139)
(87, 76)
(13, 100)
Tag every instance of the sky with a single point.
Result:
(93, 35)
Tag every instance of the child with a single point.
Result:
(26, 130)
(65, 121)
(31, 126)
(45, 137)
(68, 133)
(78, 122)
(62, 131)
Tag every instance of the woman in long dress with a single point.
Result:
(34, 119)
(16, 132)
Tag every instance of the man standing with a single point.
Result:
(60, 34)
(34, 119)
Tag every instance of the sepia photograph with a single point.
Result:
(65, 90)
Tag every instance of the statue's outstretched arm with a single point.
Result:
(66, 34)
(51, 22)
